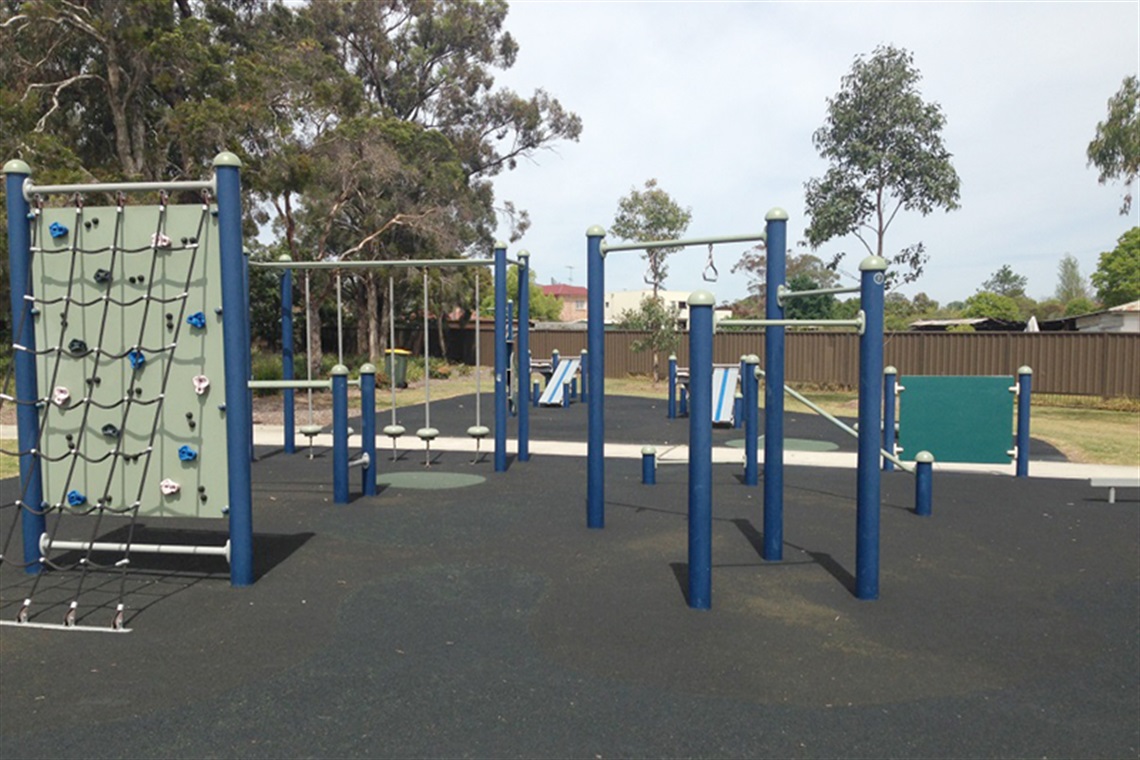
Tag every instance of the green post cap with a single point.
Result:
(672, 357)
(1025, 369)
(583, 352)
(873, 264)
(523, 254)
(368, 369)
(499, 244)
(648, 450)
(924, 456)
(888, 370)
(751, 359)
(776, 214)
(225, 158)
(16, 166)
(596, 231)
(284, 257)
(339, 369)
(701, 298)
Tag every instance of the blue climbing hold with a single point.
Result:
(75, 499)
(187, 454)
(197, 319)
(110, 430)
(136, 358)
(57, 230)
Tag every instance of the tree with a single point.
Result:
(808, 307)
(658, 322)
(1115, 149)
(884, 144)
(1079, 306)
(1117, 275)
(1070, 284)
(1005, 282)
(651, 214)
(543, 308)
(991, 305)
(754, 264)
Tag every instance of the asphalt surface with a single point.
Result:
(488, 621)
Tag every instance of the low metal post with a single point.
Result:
(573, 389)
(555, 357)
(368, 427)
(738, 409)
(890, 376)
(648, 466)
(510, 319)
(340, 433)
(1024, 392)
(923, 485)
(583, 370)
(683, 402)
(535, 393)
(751, 404)
(700, 449)
(672, 406)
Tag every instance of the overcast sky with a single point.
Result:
(718, 101)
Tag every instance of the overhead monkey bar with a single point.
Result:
(31, 189)
(749, 237)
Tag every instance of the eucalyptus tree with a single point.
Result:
(1115, 149)
(884, 144)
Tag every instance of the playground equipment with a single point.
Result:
(725, 381)
(153, 409)
(960, 418)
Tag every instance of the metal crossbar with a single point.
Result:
(750, 237)
(31, 189)
(392, 264)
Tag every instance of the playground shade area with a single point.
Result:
(486, 620)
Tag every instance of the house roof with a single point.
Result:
(989, 324)
(559, 290)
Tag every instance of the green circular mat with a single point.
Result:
(792, 444)
(429, 480)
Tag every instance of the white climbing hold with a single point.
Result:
(60, 396)
(169, 487)
(158, 240)
(201, 383)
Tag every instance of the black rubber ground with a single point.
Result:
(488, 621)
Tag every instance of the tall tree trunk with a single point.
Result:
(374, 316)
(313, 321)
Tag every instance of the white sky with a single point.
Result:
(718, 101)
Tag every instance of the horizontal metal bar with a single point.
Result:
(751, 237)
(856, 323)
(836, 421)
(783, 292)
(389, 264)
(362, 461)
(62, 627)
(47, 543)
(280, 385)
(31, 189)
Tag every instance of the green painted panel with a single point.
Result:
(957, 419)
(143, 305)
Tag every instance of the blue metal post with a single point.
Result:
(239, 413)
(751, 405)
(867, 491)
(738, 400)
(555, 357)
(33, 522)
(648, 465)
(340, 433)
(700, 449)
(535, 393)
(368, 427)
(672, 406)
(583, 370)
(522, 351)
(777, 232)
(596, 415)
(923, 485)
(287, 357)
(511, 318)
(1024, 394)
(683, 402)
(890, 378)
(501, 322)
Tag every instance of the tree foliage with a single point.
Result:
(1115, 149)
(884, 145)
(658, 321)
(993, 306)
(754, 264)
(808, 307)
(1070, 283)
(651, 214)
(1006, 282)
(1117, 275)
(543, 307)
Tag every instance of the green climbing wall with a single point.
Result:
(957, 419)
(104, 284)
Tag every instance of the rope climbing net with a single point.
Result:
(127, 329)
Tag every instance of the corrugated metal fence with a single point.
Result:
(1086, 364)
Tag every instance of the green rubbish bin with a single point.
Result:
(398, 366)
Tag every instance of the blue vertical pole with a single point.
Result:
(700, 449)
(648, 465)
(923, 486)
(33, 522)
(1024, 393)
(287, 357)
(672, 405)
(249, 342)
(239, 435)
(584, 371)
(596, 414)
(867, 490)
(501, 322)
(522, 351)
(683, 402)
(368, 427)
(777, 233)
(751, 405)
(555, 357)
(890, 378)
(340, 433)
(511, 318)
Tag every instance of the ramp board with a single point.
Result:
(565, 370)
(724, 394)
